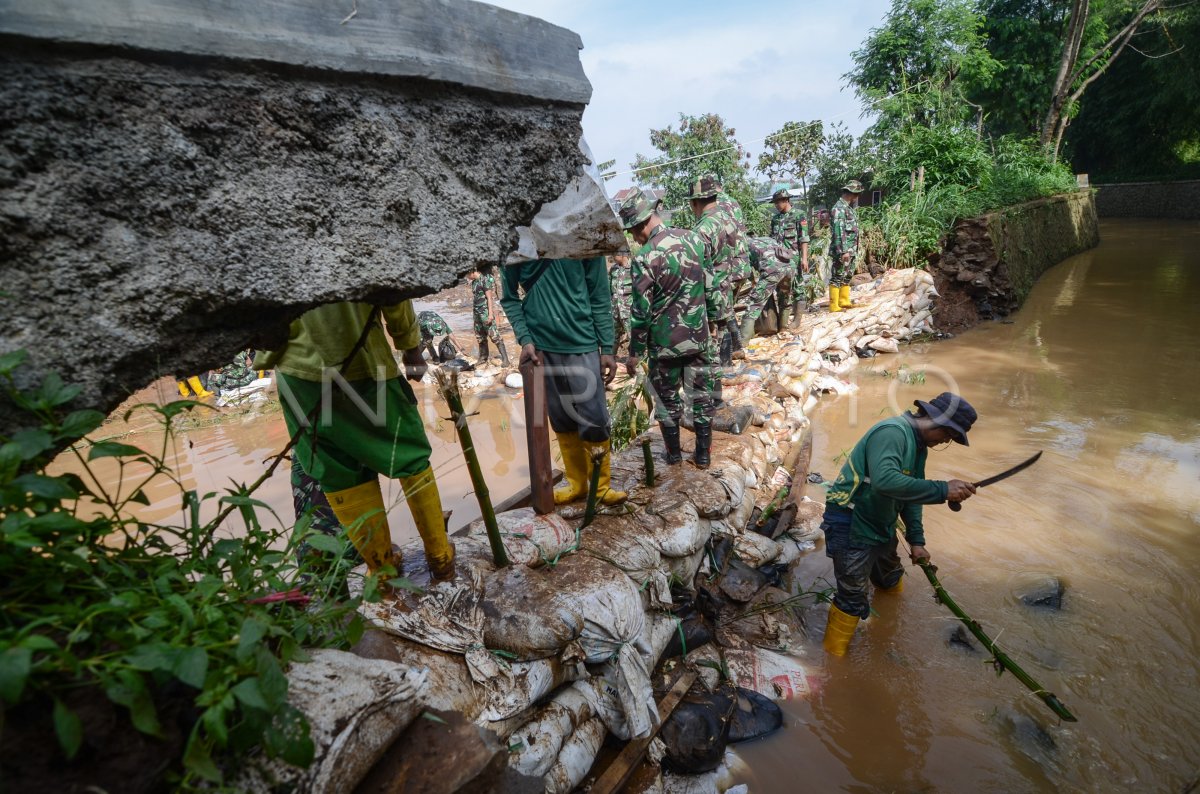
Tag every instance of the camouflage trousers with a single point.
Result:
(841, 272)
(769, 282)
(694, 377)
(485, 329)
(620, 330)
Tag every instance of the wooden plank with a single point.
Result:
(623, 766)
(799, 474)
(537, 435)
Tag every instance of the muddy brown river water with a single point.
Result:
(1099, 371)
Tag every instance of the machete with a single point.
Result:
(1004, 475)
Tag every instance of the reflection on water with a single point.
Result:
(1098, 369)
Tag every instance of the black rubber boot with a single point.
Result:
(725, 347)
(484, 354)
(735, 339)
(785, 317)
(670, 434)
(798, 309)
(703, 445)
(503, 354)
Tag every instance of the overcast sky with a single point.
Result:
(757, 64)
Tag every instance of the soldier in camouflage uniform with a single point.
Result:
(772, 262)
(235, 375)
(790, 227)
(843, 245)
(675, 305)
(743, 270)
(718, 233)
(620, 284)
(484, 302)
(432, 325)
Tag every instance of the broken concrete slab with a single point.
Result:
(160, 211)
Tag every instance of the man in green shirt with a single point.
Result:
(882, 484)
(561, 314)
(355, 418)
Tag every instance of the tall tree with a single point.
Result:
(1077, 70)
(701, 145)
(791, 151)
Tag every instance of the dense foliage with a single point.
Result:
(153, 618)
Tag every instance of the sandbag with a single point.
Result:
(673, 525)
(538, 742)
(447, 351)
(772, 674)
(754, 716)
(619, 541)
(355, 708)
(576, 758)
(529, 539)
(697, 731)
(524, 616)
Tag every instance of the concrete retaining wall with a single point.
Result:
(990, 263)
(1179, 200)
(181, 178)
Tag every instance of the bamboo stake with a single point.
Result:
(589, 512)
(448, 382)
(1000, 658)
(772, 506)
(649, 458)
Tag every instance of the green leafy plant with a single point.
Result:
(630, 408)
(196, 620)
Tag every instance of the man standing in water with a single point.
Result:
(883, 481)
(355, 418)
(484, 297)
(561, 313)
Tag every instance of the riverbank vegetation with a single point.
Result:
(172, 636)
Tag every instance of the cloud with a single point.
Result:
(758, 65)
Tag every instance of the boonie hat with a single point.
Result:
(636, 208)
(950, 411)
(781, 194)
(704, 187)
(853, 186)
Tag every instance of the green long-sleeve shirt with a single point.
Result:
(560, 305)
(884, 479)
(322, 338)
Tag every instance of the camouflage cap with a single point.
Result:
(781, 194)
(853, 186)
(636, 208)
(703, 188)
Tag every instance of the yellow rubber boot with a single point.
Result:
(838, 631)
(575, 469)
(834, 299)
(605, 494)
(425, 503)
(895, 589)
(361, 511)
(183, 389)
(197, 388)
(844, 298)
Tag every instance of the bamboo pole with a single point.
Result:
(1000, 658)
(448, 383)
(649, 459)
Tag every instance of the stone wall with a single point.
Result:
(181, 178)
(989, 264)
(1179, 200)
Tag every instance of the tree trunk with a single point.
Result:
(1066, 67)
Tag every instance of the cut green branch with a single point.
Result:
(448, 384)
(1001, 660)
(649, 459)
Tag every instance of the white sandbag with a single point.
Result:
(684, 569)
(885, 345)
(768, 673)
(526, 684)
(754, 549)
(538, 742)
(828, 384)
(523, 615)
(618, 540)
(355, 707)
(529, 539)
(513, 380)
(579, 223)
(792, 548)
(674, 526)
(576, 758)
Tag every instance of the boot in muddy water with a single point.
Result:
(605, 493)
(484, 353)
(361, 511)
(504, 361)
(835, 297)
(575, 469)
(839, 631)
(198, 387)
(425, 504)
(748, 328)
(670, 434)
(785, 318)
(703, 444)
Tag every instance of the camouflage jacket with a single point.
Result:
(480, 288)
(235, 375)
(620, 284)
(431, 324)
(790, 228)
(843, 229)
(674, 298)
(717, 231)
(731, 206)
(769, 257)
